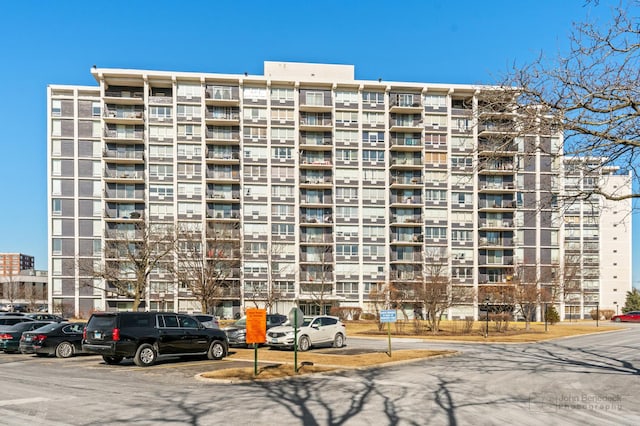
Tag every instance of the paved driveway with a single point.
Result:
(589, 380)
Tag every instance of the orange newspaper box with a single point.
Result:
(256, 326)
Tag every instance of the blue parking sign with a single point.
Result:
(388, 315)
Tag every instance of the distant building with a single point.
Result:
(13, 263)
(332, 186)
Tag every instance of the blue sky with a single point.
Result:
(57, 42)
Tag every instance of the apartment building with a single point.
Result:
(14, 263)
(332, 188)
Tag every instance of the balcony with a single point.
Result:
(316, 123)
(124, 157)
(497, 242)
(224, 195)
(406, 219)
(315, 162)
(405, 103)
(490, 166)
(495, 224)
(222, 176)
(124, 135)
(123, 215)
(407, 143)
(136, 176)
(123, 116)
(412, 200)
(222, 95)
(316, 238)
(410, 162)
(497, 204)
(316, 181)
(230, 134)
(316, 200)
(223, 157)
(124, 95)
(406, 181)
(316, 220)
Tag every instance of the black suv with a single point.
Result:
(144, 336)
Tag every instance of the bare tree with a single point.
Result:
(11, 287)
(207, 273)
(435, 291)
(319, 275)
(529, 289)
(130, 257)
(590, 94)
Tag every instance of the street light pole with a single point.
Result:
(597, 314)
(486, 310)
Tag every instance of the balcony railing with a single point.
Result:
(125, 155)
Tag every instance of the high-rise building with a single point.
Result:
(322, 188)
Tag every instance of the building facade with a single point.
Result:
(332, 187)
(14, 263)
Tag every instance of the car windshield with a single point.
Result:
(306, 322)
(242, 322)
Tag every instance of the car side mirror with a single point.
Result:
(316, 326)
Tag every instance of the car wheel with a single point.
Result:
(617, 320)
(145, 355)
(338, 341)
(64, 350)
(112, 360)
(304, 344)
(216, 350)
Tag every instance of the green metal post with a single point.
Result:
(389, 334)
(255, 359)
(295, 340)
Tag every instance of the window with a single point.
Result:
(56, 147)
(189, 111)
(160, 112)
(346, 136)
(282, 153)
(56, 187)
(255, 153)
(435, 120)
(255, 114)
(56, 108)
(461, 198)
(344, 96)
(281, 172)
(372, 118)
(160, 190)
(347, 154)
(189, 130)
(373, 155)
(435, 101)
(373, 212)
(256, 209)
(282, 229)
(373, 250)
(463, 144)
(161, 151)
(285, 210)
(346, 212)
(255, 171)
(161, 132)
(255, 190)
(160, 170)
(56, 167)
(461, 161)
(373, 231)
(435, 195)
(435, 158)
(346, 117)
(374, 175)
(190, 189)
(251, 93)
(160, 209)
(189, 208)
(373, 194)
(346, 193)
(372, 137)
(347, 231)
(282, 114)
(373, 97)
(281, 94)
(461, 235)
(347, 249)
(255, 132)
(282, 133)
(56, 128)
(56, 226)
(282, 191)
(435, 233)
(435, 214)
(189, 90)
(56, 246)
(314, 98)
(189, 150)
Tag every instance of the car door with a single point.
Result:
(319, 331)
(170, 335)
(194, 337)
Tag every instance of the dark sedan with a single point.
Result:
(237, 332)
(6, 320)
(632, 316)
(60, 339)
(10, 335)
